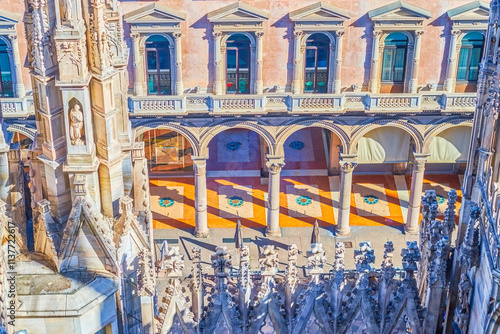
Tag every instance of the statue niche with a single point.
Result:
(76, 130)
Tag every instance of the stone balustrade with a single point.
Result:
(425, 103)
(17, 107)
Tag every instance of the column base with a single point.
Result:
(343, 232)
(411, 230)
(202, 234)
(273, 234)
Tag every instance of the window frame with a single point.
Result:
(158, 69)
(249, 50)
(8, 52)
(393, 61)
(313, 47)
(469, 54)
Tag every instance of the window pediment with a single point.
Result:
(8, 20)
(238, 13)
(319, 12)
(155, 15)
(398, 14)
(473, 15)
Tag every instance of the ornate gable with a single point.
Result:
(155, 16)
(8, 21)
(319, 12)
(398, 14)
(237, 12)
(87, 237)
(319, 16)
(471, 16)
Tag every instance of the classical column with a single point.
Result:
(347, 164)
(217, 89)
(338, 62)
(417, 180)
(274, 165)
(138, 79)
(415, 61)
(451, 71)
(179, 87)
(259, 82)
(200, 196)
(296, 86)
(374, 79)
(19, 86)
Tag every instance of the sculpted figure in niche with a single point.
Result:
(76, 133)
(67, 7)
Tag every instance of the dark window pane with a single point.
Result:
(243, 58)
(7, 87)
(151, 60)
(231, 58)
(310, 58)
(387, 64)
(474, 63)
(322, 58)
(164, 59)
(462, 64)
(399, 64)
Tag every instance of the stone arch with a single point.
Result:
(329, 34)
(28, 132)
(437, 129)
(405, 126)
(184, 131)
(211, 132)
(288, 130)
(408, 34)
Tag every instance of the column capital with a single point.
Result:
(217, 34)
(177, 35)
(275, 163)
(259, 34)
(339, 33)
(377, 34)
(419, 33)
(419, 160)
(348, 162)
(200, 164)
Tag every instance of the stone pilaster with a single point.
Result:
(297, 61)
(259, 63)
(200, 196)
(451, 70)
(217, 88)
(417, 180)
(375, 64)
(347, 165)
(274, 165)
(338, 62)
(179, 86)
(415, 62)
(19, 87)
(138, 79)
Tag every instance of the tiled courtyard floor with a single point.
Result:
(376, 200)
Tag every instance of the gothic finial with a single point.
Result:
(411, 256)
(388, 269)
(315, 233)
(238, 237)
(364, 257)
(221, 261)
(469, 250)
(268, 259)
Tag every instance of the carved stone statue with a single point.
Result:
(67, 13)
(76, 125)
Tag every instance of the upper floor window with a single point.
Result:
(394, 58)
(316, 68)
(238, 64)
(6, 86)
(470, 56)
(158, 62)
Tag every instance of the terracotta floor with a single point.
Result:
(235, 191)
(375, 200)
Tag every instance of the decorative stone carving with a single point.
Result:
(76, 122)
(364, 257)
